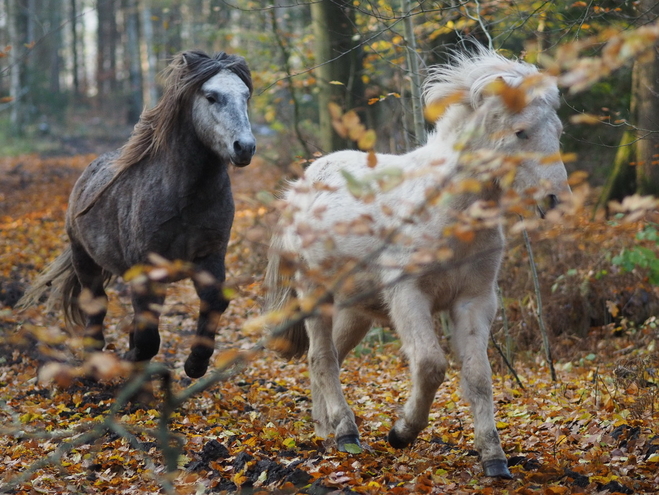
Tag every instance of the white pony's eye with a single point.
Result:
(211, 99)
(521, 134)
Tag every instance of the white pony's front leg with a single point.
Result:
(330, 409)
(472, 317)
(411, 314)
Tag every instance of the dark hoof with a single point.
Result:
(497, 468)
(396, 441)
(349, 443)
(195, 369)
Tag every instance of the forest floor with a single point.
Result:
(593, 430)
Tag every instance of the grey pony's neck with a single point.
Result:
(194, 165)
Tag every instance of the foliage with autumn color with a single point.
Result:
(87, 425)
(592, 430)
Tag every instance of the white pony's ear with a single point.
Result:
(484, 89)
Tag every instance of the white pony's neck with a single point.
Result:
(441, 144)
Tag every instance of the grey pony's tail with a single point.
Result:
(64, 286)
(293, 342)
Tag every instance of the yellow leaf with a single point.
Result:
(612, 307)
(334, 110)
(337, 83)
(367, 140)
(436, 109)
(585, 118)
(226, 358)
(133, 272)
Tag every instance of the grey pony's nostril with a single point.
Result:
(244, 146)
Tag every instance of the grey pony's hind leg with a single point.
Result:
(472, 318)
(212, 305)
(90, 275)
(144, 339)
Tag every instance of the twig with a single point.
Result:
(503, 356)
(541, 321)
(506, 328)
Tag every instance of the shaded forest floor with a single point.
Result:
(594, 430)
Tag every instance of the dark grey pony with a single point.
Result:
(166, 191)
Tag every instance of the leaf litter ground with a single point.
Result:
(592, 432)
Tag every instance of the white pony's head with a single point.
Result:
(507, 109)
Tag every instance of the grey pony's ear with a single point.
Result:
(190, 57)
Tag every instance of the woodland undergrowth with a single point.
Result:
(76, 427)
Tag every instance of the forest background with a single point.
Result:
(74, 77)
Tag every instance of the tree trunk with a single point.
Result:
(74, 48)
(415, 76)
(15, 88)
(135, 98)
(647, 100)
(151, 60)
(54, 46)
(106, 59)
(337, 60)
(621, 181)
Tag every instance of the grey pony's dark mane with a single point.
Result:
(183, 77)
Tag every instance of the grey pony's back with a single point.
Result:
(293, 341)
(64, 287)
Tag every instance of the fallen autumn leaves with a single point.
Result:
(593, 431)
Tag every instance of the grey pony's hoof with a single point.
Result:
(396, 441)
(194, 368)
(497, 468)
(343, 442)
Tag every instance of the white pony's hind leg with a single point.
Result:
(411, 314)
(330, 409)
(472, 318)
(348, 330)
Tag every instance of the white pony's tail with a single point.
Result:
(293, 341)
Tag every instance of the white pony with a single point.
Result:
(398, 240)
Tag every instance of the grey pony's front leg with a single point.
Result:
(212, 305)
(472, 317)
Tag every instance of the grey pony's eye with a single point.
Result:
(211, 99)
(521, 134)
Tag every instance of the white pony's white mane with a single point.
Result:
(469, 74)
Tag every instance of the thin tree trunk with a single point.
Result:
(106, 59)
(151, 60)
(15, 89)
(647, 147)
(54, 46)
(285, 56)
(136, 100)
(415, 77)
(74, 47)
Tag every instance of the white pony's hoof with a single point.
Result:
(396, 441)
(497, 468)
(349, 444)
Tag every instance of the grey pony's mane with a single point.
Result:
(183, 77)
(468, 75)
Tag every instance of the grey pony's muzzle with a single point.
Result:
(243, 151)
